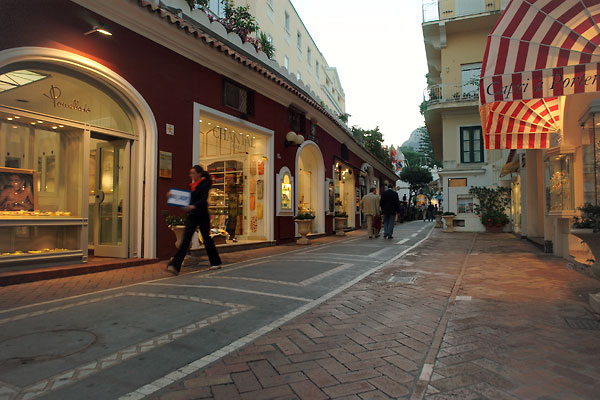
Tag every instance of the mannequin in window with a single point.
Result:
(16, 196)
(233, 205)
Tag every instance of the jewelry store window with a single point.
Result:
(285, 194)
(41, 183)
(236, 158)
(591, 159)
(559, 181)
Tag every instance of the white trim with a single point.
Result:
(145, 124)
(269, 210)
(320, 211)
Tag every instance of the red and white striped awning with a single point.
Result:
(539, 49)
(523, 124)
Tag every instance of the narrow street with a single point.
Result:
(110, 342)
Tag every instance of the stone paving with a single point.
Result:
(463, 316)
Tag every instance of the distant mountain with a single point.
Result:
(414, 140)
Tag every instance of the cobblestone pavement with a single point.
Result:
(463, 316)
(53, 289)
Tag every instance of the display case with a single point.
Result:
(285, 193)
(590, 141)
(226, 196)
(559, 181)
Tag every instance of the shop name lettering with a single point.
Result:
(496, 88)
(235, 138)
(55, 93)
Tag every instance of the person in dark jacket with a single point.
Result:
(197, 217)
(430, 210)
(390, 206)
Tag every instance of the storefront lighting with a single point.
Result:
(100, 29)
(293, 139)
(61, 126)
(54, 127)
(15, 127)
(210, 123)
(16, 117)
(200, 120)
(40, 122)
(32, 123)
(9, 118)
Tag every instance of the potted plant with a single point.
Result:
(438, 219)
(340, 222)
(491, 206)
(449, 220)
(587, 228)
(177, 224)
(304, 221)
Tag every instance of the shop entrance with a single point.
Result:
(310, 183)
(109, 196)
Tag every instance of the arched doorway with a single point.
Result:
(310, 184)
(90, 151)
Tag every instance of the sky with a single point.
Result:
(377, 47)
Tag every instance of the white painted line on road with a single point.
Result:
(464, 298)
(403, 241)
(204, 361)
(414, 235)
(282, 296)
(426, 372)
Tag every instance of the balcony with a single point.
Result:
(438, 10)
(446, 93)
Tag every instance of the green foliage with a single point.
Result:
(448, 213)
(344, 117)
(306, 215)
(412, 157)
(341, 214)
(492, 203)
(174, 220)
(417, 178)
(438, 213)
(590, 218)
(372, 140)
(265, 45)
(197, 4)
(426, 148)
(243, 22)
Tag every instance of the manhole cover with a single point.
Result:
(583, 323)
(403, 277)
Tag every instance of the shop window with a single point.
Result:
(559, 182)
(457, 182)
(345, 152)
(591, 161)
(285, 193)
(471, 145)
(297, 120)
(464, 204)
(238, 98)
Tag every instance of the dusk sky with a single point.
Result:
(378, 50)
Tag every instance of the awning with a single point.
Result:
(539, 49)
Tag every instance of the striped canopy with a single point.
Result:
(539, 49)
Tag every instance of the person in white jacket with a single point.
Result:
(369, 205)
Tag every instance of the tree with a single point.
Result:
(426, 149)
(412, 157)
(372, 140)
(417, 178)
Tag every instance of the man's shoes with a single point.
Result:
(370, 237)
(390, 237)
(172, 269)
(385, 236)
(214, 267)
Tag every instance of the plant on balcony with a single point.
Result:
(197, 4)
(266, 45)
(491, 206)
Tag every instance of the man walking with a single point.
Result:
(370, 207)
(430, 210)
(390, 205)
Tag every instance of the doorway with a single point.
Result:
(310, 183)
(108, 204)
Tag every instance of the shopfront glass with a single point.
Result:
(591, 160)
(345, 193)
(236, 158)
(559, 182)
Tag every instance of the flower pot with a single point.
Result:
(340, 223)
(592, 240)
(438, 221)
(449, 220)
(494, 229)
(304, 226)
(178, 230)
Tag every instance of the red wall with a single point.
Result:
(169, 83)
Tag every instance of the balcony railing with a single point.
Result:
(436, 10)
(445, 93)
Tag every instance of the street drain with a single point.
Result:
(403, 277)
(583, 323)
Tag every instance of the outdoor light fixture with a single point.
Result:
(293, 139)
(100, 29)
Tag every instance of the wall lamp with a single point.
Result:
(100, 29)
(293, 139)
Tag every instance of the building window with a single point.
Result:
(217, 8)
(309, 59)
(270, 10)
(470, 74)
(457, 182)
(471, 145)
(286, 26)
(464, 204)
(297, 121)
(269, 38)
(299, 75)
(317, 73)
(286, 62)
(238, 98)
(299, 44)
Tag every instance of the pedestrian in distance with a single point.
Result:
(423, 210)
(430, 210)
(197, 217)
(402, 212)
(390, 206)
(369, 205)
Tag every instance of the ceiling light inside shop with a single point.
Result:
(200, 120)
(9, 118)
(32, 123)
(54, 127)
(17, 117)
(209, 123)
(40, 122)
(61, 126)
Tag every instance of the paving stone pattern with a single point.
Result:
(508, 340)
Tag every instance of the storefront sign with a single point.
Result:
(55, 93)
(166, 165)
(170, 130)
(236, 138)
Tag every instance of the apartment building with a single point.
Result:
(454, 33)
(295, 48)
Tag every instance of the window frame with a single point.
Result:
(286, 26)
(471, 131)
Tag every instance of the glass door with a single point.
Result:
(110, 228)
